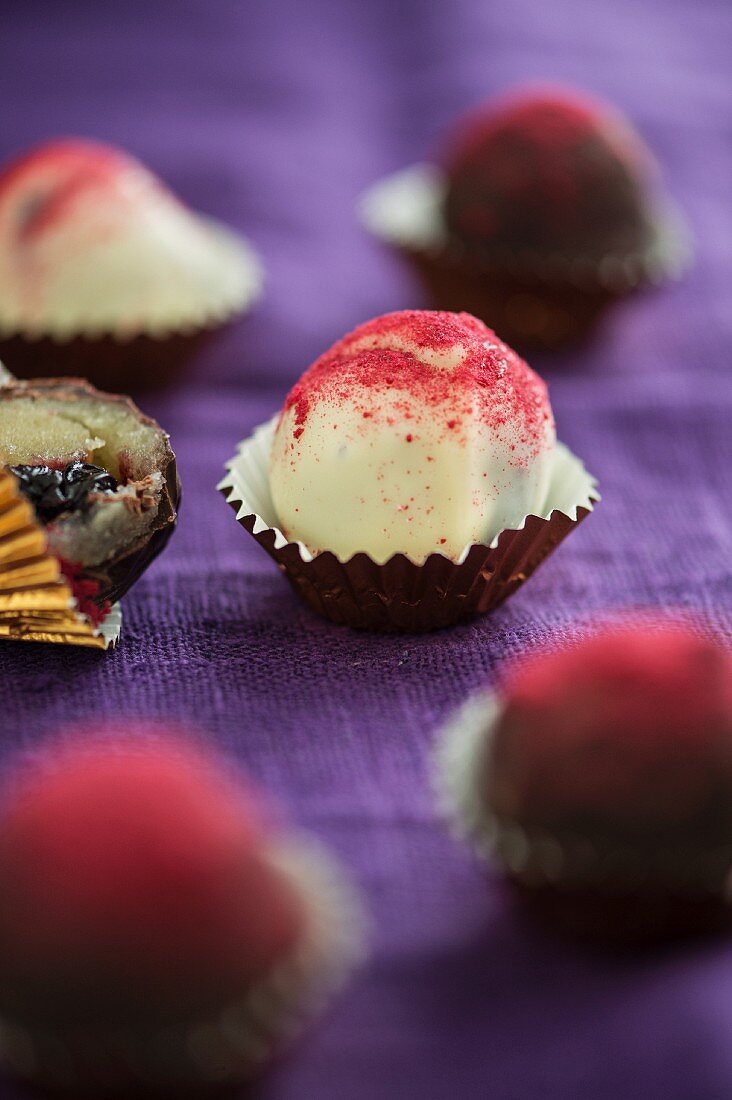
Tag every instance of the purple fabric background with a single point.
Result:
(274, 117)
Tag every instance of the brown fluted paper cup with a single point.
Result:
(401, 595)
(143, 362)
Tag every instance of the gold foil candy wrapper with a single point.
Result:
(401, 595)
(36, 602)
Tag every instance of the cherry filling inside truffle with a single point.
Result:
(72, 489)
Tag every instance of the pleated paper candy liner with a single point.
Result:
(612, 896)
(530, 299)
(36, 602)
(144, 356)
(400, 595)
(229, 1049)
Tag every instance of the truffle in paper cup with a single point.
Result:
(400, 595)
(413, 477)
(599, 782)
(90, 491)
(105, 273)
(541, 217)
(197, 944)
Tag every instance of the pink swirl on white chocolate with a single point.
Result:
(93, 242)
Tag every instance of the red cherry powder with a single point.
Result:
(86, 592)
(549, 118)
(492, 381)
(39, 187)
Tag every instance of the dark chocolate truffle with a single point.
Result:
(544, 210)
(603, 783)
(548, 174)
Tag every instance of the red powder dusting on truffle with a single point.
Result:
(141, 860)
(43, 184)
(491, 383)
(647, 659)
(547, 171)
(548, 117)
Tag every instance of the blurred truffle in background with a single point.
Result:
(600, 781)
(544, 210)
(155, 937)
(105, 273)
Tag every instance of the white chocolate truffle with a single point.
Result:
(418, 433)
(92, 242)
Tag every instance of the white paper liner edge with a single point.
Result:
(246, 484)
(111, 626)
(458, 765)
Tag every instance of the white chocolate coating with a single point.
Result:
(92, 242)
(419, 433)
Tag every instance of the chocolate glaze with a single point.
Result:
(609, 782)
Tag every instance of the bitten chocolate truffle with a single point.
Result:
(154, 937)
(101, 477)
(601, 780)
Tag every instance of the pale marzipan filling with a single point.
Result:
(35, 431)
